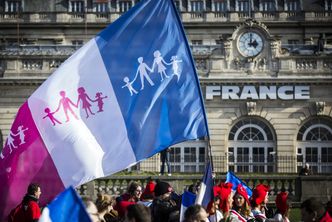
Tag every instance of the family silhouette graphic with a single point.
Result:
(12, 138)
(160, 64)
(66, 105)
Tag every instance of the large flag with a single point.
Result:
(188, 199)
(127, 94)
(205, 193)
(67, 206)
(232, 178)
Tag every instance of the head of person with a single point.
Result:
(282, 203)
(307, 166)
(148, 192)
(34, 190)
(241, 201)
(260, 195)
(91, 209)
(195, 213)
(226, 196)
(138, 213)
(104, 203)
(135, 191)
(163, 190)
(311, 210)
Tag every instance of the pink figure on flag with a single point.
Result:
(159, 62)
(129, 85)
(99, 100)
(50, 115)
(10, 141)
(20, 132)
(82, 96)
(66, 104)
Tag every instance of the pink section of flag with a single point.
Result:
(23, 160)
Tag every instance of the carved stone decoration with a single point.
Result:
(320, 106)
(251, 107)
(275, 49)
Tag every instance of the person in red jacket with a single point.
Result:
(28, 210)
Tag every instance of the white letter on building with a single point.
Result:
(302, 92)
(230, 92)
(268, 92)
(249, 92)
(212, 91)
(282, 92)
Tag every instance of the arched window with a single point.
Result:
(315, 144)
(251, 146)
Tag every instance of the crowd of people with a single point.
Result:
(158, 202)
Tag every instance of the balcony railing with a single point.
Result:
(204, 16)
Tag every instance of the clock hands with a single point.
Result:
(252, 43)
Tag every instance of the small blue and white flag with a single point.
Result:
(67, 206)
(188, 199)
(205, 193)
(231, 178)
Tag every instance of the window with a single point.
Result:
(196, 6)
(197, 42)
(328, 5)
(242, 6)
(251, 147)
(220, 6)
(125, 6)
(315, 144)
(267, 6)
(76, 6)
(188, 157)
(77, 42)
(292, 5)
(102, 7)
(13, 6)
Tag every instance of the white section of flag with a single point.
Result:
(88, 148)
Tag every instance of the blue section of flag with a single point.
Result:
(153, 75)
(68, 206)
(205, 194)
(230, 177)
(188, 199)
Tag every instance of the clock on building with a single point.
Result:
(250, 44)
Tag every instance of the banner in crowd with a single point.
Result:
(232, 178)
(67, 206)
(205, 193)
(127, 94)
(188, 199)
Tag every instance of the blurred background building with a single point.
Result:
(265, 68)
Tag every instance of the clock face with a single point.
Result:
(250, 44)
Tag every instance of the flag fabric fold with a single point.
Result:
(205, 193)
(232, 178)
(127, 94)
(67, 206)
(188, 199)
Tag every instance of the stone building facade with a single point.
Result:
(265, 69)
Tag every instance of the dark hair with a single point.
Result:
(312, 205)
(192, 212)
(139, 212)
(132, 187)
(32, 188)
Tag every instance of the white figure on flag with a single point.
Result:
(20, 132)
(143, 73)
(159, 62)
(10, 141)
(175, 66)
(129, 85)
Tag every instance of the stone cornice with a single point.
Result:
(21, 81)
